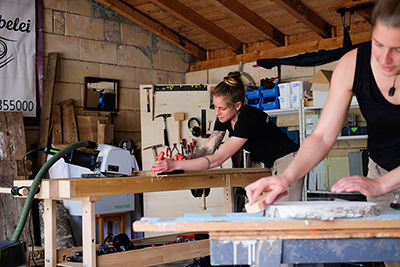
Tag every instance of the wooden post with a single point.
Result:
(47, 102)
(50, 246)
(89, 233)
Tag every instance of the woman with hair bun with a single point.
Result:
(248, 127)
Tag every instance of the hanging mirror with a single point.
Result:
(101, 94)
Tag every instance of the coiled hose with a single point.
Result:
(37, 181)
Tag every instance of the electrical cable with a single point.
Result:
(37, 181)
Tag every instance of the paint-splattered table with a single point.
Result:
(252, 239)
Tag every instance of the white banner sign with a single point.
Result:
(17, 56)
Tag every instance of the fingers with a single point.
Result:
(365, 186)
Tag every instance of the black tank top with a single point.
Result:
(383, 118)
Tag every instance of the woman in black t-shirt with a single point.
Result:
(248, 127)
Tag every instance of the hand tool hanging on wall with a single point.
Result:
(179, 116)
(183, 143)
(148, 99)
(165, 116)
(203, 124)
(154, 148)
(154, 98)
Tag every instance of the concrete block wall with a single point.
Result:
(92, 40)
(288, 74)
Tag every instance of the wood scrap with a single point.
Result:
(105, 133)
(56, 137)
(70, 130)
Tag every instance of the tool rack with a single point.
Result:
(89, 190)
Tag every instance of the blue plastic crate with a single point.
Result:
(253, 92)
(362, 130)
(255, 102)
(270, 103)
(270, 92)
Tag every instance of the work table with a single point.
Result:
(89, 190)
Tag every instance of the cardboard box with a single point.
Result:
(320, 87)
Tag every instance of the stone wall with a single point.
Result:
(94, 41)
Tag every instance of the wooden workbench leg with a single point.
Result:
(229, 199)
(88, 234)
(122, 224)
(50, 240)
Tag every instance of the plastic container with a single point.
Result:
(285, 89)
(297, 87)
(296, 100)
(270, 92)
(270, 103)
(285, 102)
(255, 102)
(253, 92)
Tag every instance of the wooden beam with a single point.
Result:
(155, 27)
(252, 20)
(330, 43)
(306, 16)
(184, 13)
(366, 14)
(47, 102)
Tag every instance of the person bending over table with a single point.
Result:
(370, 72)
(249, 127)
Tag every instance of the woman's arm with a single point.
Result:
(317, 145)
(204, 160)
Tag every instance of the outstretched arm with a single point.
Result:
(317, 145)
(230, 147)
(212, 144)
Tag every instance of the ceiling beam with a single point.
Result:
(284, 51)
(184, 13)
(155, 27)
(306, 16)
(252, 20)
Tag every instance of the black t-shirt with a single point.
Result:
(265, 141)
(383, 118)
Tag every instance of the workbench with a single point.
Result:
(89, 190)
(252, 239)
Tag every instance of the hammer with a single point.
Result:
(165, 116)
(154, 148)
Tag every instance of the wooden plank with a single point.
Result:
(305, 15)
(70, 130)
(57, 137)
(189, 16)
(252, 20)
(289, 50)
(105, 133)
(88, 127)
(146, 182)
(246, 222)
(155, 27)
(47, 101)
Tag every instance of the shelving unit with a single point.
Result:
(301, 110)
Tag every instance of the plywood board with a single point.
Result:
(70, 130)
(88, 127)
(324, 210)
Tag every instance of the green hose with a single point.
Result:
(37, 181)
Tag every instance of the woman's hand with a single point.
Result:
(364, 185)
(164, 165)
(274, 185)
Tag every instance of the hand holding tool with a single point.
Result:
(165, 116)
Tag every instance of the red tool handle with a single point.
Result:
(160, 156)
(179, 157)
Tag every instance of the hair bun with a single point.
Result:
(234, 74)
